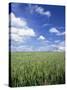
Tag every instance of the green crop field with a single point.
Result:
(37, 68)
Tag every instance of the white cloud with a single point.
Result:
(56, 31)
(41, 37)
(46, 24)
(47, 13)
(57, 41)
(23, 31)
(19, 30)
(18, 34)
(17, 22)
(61, 27)
(22, 48)
(49, 46)
(60, 33)
(39, 10)
(16, 37)
(53, 30)
(59, 46)
(44, 48)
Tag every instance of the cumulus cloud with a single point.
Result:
(41, 11)
(53, 30)
(16, 21)
(41, 37)
(18, 34)
(19, 30)
(56, 31)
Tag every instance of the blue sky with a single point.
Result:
(36, 27)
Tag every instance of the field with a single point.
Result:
(37, 68)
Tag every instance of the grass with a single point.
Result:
(37, 68)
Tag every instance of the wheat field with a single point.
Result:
(37, 68)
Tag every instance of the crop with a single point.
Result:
(37, 68)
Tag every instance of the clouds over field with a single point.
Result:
(31, 31)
